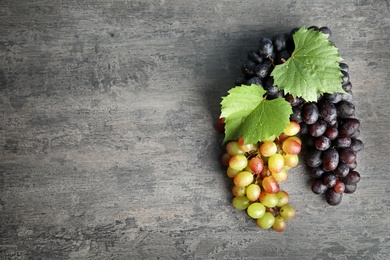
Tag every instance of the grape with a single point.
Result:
(233, 149)
(313, 157)
(342, 142)
(287, 212)
(279, 224)
(322, 143)
(317, 172)
(255, 57)
(318, 128)
(331, 133)
(275, 162)
(225, 159)
(342, 170)
(349, 126)
(339, 186)
(231, 173)
(243, 179)
(352, 177)
(347, 155)
(334, 97)
(220, 125)
(345, 77)
(241, 202)
(310, 113)
(292, 128)
(332, 197)
(268, 148)
(347, 87)
(270, 184)
(325, 30)
(296, 115)
(356, 145)
(345, 109)
(266, 221)
(238, 162)
(328, 111)
(330, 159)
(246, 147)
(329, 179)
(265, 172)
(253, 192)
(313, 27)
(344, 66)
(256, 81)
(282, 57)
(248, 68)
(283, 198)
(318, 187)
(281, 176)
(290, 160)
(280, 42)
(269, 200)
(270, 87)
(263, 69)
(256, 165)
(265, 47)
(238, 191)
(256, 210)
(291, 146)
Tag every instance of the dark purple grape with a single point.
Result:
(328, 111)
(322, 143)
(357, 145)
(296, 115)
(255, 57)
(248, 68)
(266, 47)
(304, 127)
(325, 30)
(350, 188)
(310, 113)
(353, 177)
(331, 133)
(345, 77)
(263, 69)
(280, 42)
(314, 28)
(318, 128)
(255, 80)
(342, 142)
(344, 66)
(318, 187)
(346, 97)
(348, 86)
(332, 197)
(313, 158)
(347, 155)
(329, 179)
(330, 159)
(352, 166)
(356, 134)
(317, 172)
(345, 109)
(348, 127)
(342, 170)
(282, 57)
(334, 97)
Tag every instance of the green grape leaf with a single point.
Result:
(249, 115)
(313, 67)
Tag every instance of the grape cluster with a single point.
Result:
(257, 169)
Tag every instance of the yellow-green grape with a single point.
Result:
(266, 221)
(256, 210)
(241, 202)
(238, 162)
(243, 179)
(253, 192)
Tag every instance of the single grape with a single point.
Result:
(238, 191)
(292, 128)
(220, 125)
(331, 133)
(347, 87)
(275, 162)
(347, 155)
(342, 142)
(253, 192)
(325, 30)
(318, 187)
(317, 172)
(345, 109)
(296, 115)
(314, 158)
(256, 165)
(328, 111)
(268, 148)
(339, 186)
(281, 176)
(310, 113)
(238, 162)
(287, 212)
(349, 126)
(342, 170)
(350, 188)
(280, 42)
(266, 221)
(241, 202)
(248, 68)
(231, 173)
(246, 147)
(334, 97)
(356, 145)
(263, 69)
(322, 143)
(345, 77)
(282, 57)
(266, 47)
(330, 159)
(329, 179)
(353, 177)
(279, 224)
(269, 200)
(344, 66)
(290, 160)
(283, 198)
(291, 146)
(332, 197)
(318, 128)
(243, 179)
(256, 210)
(233, 149)
(255, 80)
(270, 184)
(225, 159)
(255, 57)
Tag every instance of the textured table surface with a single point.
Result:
(107, 140)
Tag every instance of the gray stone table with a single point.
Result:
(107, 140)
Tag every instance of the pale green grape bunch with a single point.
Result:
(256, 171)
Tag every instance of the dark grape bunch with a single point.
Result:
(329, 124)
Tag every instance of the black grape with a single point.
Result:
(310, 113)
(280, 42)
(266, 47)
(330, 158)
(318, 187)
(313, 158)
(255, 57)
(318, 128)
(345, 109)
(332, 197)
(322, 143)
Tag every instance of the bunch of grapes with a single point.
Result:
(257, 169)
(329, 128)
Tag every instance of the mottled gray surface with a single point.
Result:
(108, 148)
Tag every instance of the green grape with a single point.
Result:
(268, 148)
(266, 221)
(243, 179)
(268, 199)
(238, 191)
(241, 202)
(292, 128)
(281, 176)
(282, 198)
(287, 212)
(238, 162)
(232, 172)
(253, 192)
(279, 224)
(233, 149)
(290, 160)
(256, 210)
(246, 147)
(275, 163)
